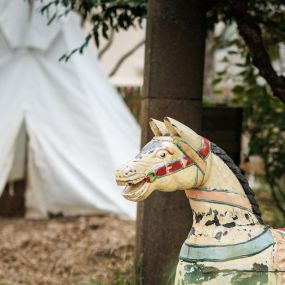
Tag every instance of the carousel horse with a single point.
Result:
(228, 233)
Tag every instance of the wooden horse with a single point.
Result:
(228, 233)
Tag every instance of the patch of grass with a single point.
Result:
(124, 277)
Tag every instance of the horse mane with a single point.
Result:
(242, 180)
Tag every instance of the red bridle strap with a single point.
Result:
(189, 158)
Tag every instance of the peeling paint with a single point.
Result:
(198, 217)
(229, 225)
(218, 235)
(215, 222)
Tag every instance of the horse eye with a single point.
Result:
(162, 154)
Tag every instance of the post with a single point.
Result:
(175, 47)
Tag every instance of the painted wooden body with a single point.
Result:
(228, 233)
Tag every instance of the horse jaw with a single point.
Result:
(137, 192)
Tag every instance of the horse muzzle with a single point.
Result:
(135, 181)
(127, 176)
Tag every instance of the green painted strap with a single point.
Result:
(220, 191)
(194, 253)
(220, 203)
(151, 176)
(178, 141)
(282, 232)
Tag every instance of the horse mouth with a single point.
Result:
(135, 189)
(132, 180)
(136, 192)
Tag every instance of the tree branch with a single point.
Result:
(107, 46)
(125, 56)
(251, 34)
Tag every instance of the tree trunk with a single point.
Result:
(175, 47)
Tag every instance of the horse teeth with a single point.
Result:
(121, 183)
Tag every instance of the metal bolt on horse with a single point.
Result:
(228, 233)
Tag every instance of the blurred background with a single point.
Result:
(72, 76)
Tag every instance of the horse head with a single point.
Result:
(175, 159)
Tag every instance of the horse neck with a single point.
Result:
(222, 213)
(219, 176)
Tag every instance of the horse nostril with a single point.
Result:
(129, 170)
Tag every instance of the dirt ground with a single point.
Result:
(77, 251)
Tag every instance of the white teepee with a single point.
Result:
(78, 129)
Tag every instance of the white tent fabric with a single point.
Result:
(79, 129)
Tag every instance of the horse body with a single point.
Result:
(227, 232)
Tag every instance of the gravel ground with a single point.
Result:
(77, 251)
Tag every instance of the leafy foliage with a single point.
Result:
(269, 14)
(264, 116)
(104, 16)
(265, 122)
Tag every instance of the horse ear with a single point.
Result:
(171, 128)
(176, 128)
(158, 128)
